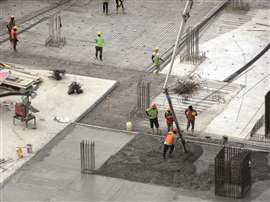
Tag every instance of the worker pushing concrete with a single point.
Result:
(106, 6)
(10, 25)
(169, 118)
(169, 142)
(152, 113)
(99, 45)
(14, 38)
(190, 115)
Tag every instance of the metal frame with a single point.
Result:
(233, 172)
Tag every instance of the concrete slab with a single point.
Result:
(54, 175)
(52, 101)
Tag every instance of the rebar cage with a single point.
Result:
(232, 172)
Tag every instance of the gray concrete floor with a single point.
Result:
(54, 175)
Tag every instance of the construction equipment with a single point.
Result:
(75, 87)
(185, 17)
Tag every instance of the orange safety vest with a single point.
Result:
(190, 115)
(169, 140)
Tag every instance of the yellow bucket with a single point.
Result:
(129, 126)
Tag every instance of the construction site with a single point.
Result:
(134, 100)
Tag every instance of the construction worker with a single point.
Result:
(99, 45)
(169, 142)
(119, 3)
(156, 58)
(169, 119)
(14, 38)
(105, 6)
(10, 25)
(152, 113)
(190, 115)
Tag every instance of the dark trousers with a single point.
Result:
(154, 122)
(105, 7)
(14, 44)
(192, 123)
(166, 148)
(99, 50)
(119, 3)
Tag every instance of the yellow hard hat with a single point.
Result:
(15, 27)
(156, 49)
(168, 108)
(99, 33)
(194, 114)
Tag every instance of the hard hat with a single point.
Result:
(174, 130)
(12, 16)
(194, 114)
(168, 109)
(15, 27)
(99, 33)
(153, 105)
(156, 49)
(171, 133)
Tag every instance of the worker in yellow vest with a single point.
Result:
(156, 59)
(169, 142)
(152, 113)
(99, 45)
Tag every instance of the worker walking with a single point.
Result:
(190, 115)
(14, 38)
(119, 3)
(156, 59)
(169, 142)
(152, 113)
(10, 25)
(105, 6)
(169, 119)
(99, 45)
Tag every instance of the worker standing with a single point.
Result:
(99, 45)
(10, 25)
(14, 38)
(190, 115)
(169, 142)
(152, 113)
(106, 6)
(156, 59)
(169, 119)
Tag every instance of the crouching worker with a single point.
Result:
(169, 142)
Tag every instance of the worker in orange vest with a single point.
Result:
(14, 38)
(190, 115)
(169, 142)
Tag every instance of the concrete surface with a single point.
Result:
(52, 101)
(54, 175)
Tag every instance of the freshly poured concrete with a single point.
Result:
(54, 175)
(52, 101)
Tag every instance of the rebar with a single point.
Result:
(87, 151)
(55, 38)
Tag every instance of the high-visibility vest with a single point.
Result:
(169, 140)
(169, 117)
(152, 112)
(99, 41)
(191, 114)
(156, 60)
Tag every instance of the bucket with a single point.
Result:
(29, 148)
(19, 152)
(129, 126)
